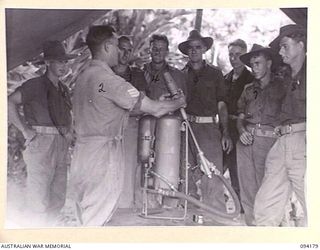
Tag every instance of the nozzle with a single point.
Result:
(204, 164)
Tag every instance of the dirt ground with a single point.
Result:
(16, 217)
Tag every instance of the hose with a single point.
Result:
(177, 194)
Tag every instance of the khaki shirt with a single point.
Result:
(101, 101)
(294, 104)
(44, 104)
(262, 106)
(156, 84)
(205, 89)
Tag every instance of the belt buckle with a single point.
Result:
(258, 127)
(192, 118)
(277, 131)
(287, 130)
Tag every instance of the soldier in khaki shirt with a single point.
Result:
(286, 161)
(101, 105)
(259, 113)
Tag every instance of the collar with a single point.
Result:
(48, 82)
(148, 67)
(99, 63)
(256, 83)
(302, 72)
(243, 74)
(189, 66)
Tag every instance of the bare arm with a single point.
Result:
(245, 136)
(160, 108)
(14, 100)
(223, 115)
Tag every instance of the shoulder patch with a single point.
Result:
(133, 92)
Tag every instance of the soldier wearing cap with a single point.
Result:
(130, 195)
(101, 104)
(46, 126)
(205, 102)
(235, 81)
(258, 115)
(286, 161)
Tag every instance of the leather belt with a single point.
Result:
(262, 130)
(292, 128)
(47, 130)
(202, 119)
(265, 133)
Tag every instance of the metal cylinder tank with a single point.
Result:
(167, 150)
(145, 137)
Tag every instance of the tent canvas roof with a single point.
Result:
(27, 29)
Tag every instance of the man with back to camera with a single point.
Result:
(101, 105)
(286, 161)
(235, 81)
(46, 126)
(131, 196)
(259, 113)
(205, 101)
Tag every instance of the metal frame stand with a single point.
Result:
(205, 165)
(146, 213)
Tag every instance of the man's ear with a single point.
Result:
(302, 45)
(106, 47)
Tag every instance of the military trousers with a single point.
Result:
(284, 174)
(251, 169)
(46, 160)
(208, 136)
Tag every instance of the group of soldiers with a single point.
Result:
(251, 122)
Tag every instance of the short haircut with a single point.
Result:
(97, 35)
(299, 37)
(124, 38)
(157, 37)
(240, 43)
